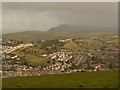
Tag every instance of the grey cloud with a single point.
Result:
(42, 16)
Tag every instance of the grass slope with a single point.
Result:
(108, 79)
(71, 45)
(35, 60)
(32, 36)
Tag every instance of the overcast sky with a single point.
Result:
(32, 16)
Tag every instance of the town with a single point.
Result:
(59, 56)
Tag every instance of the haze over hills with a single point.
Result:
(76, 28)
(71, 28)
(34, 36)
(59, 32)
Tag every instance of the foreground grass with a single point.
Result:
(73, 80)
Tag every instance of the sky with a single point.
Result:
(41, 16)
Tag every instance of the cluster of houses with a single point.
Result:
(62, 61)
(12, 67)
(66, 40)
(62, 55)
(9, 49)
(69, 61)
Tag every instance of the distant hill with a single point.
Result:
(76, 28)
(28, 36)
(32, 36)
(60, 32)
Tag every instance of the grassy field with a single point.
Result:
(35, 60)
(107, 79)
(71, 45)
(84, 46)
(35, 48)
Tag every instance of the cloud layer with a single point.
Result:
(42, 16)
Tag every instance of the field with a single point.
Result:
(35, 60)
(72, 46)
(107, 79)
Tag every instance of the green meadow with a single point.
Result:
(35, 60)
(103, 79)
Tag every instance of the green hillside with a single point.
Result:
(28, 36)
(32, 36)
(35, 35)
(107, 79)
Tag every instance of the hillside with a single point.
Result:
(78, 28)
(32, 36)
(108, 79)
